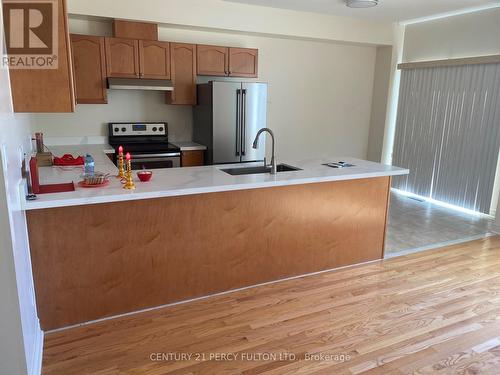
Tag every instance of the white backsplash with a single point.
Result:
(85, 140)
(89, 123)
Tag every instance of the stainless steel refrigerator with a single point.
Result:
(227, 118)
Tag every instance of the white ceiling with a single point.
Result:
(387, 10)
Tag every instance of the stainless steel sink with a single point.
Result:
(260, 169)
(286, 168)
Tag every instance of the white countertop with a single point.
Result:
(191, 180)
(189, 146)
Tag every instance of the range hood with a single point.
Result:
(140, 84)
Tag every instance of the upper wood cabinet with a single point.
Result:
(135, 30)
(47, 90)
(89, 69)
(154, 59)
(183, 72)
(212, 60)
(227, 61)
(122, 57)
(243, 62)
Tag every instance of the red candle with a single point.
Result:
(127, 156)
(120, 150)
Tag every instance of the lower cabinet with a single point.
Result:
(142, 268)
(192, 158)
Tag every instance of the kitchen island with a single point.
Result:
(193, 232)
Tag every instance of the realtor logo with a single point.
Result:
(31, 33)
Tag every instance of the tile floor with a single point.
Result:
(417, 224)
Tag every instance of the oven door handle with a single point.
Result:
(145, 156)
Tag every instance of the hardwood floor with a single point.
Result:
(433, 312)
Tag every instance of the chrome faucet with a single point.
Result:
(256, 144)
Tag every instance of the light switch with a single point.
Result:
(21, 155)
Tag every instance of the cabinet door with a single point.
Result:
(89, 69)
(212, 60)
(135, 30)
(243, 62)
(122, 57)
(47, 90)
(183, 72)
(192, 158)
(154, 59)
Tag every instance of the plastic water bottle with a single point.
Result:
(89, 165)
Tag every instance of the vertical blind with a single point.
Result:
(448, 133)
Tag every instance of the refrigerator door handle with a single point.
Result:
(243, 121)
(238, 119)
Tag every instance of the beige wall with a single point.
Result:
(12, 348)
(90, 120)
(379, 103)
(20, 334)
(393, 95)
(320, 94)
(234, 17)
(467, 35)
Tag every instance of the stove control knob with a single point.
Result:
(161, 129)
(124, 130)
(155, 129)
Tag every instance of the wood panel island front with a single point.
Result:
(93, 259)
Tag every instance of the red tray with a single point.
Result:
(84, 185)
(69, 160)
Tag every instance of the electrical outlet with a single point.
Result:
(30, 144)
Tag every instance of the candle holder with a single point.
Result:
(121, 170)
(129, 184)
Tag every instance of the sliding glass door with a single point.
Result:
(448, 133)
